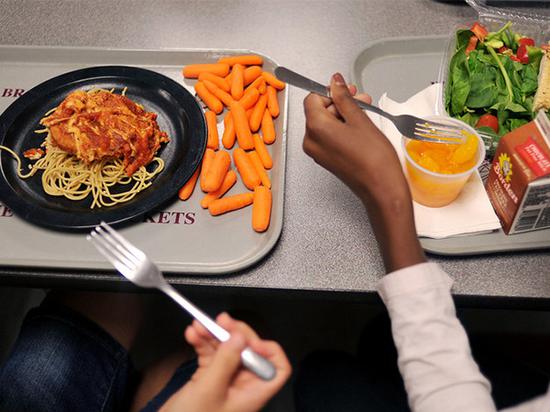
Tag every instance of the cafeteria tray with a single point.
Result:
(181, 237)
(403, 66)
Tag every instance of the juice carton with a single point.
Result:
(519, 180)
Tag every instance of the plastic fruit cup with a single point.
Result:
(438, 189)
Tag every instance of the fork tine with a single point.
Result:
(430, 138)
(107, 253)
(115, 250)
(431, 127)
(114, 242)
(430, 123)
(135, 251)
(448, 132)
(438, 135)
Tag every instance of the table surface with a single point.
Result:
(327, 243)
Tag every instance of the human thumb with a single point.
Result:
(343, 100)
(226, 362)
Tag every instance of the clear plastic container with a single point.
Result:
(437, 189)
(532, 22)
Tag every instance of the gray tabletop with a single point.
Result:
(326, 243)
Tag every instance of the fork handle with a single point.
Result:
(371, 108)
(256, 363)
(296, 79)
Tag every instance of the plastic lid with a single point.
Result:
(514, 9)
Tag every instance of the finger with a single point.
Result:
(314, 102)
(203, 346)
(275, 353)
(353, 91)
(364, 97)
(271, 350)
(332, 110)
(201, 330)
(233, 325)
(343, 100)
(226, 362)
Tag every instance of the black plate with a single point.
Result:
(179, 115)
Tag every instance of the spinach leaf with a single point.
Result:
(462, 39)
(529, 80)
(485, 81)
(460, 83)
(483, 90)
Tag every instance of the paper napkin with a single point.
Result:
(472, 211)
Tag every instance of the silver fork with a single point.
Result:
(135, 266)
(410, 126)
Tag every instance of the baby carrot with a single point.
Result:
(251, 73)
(255, 159)
(246, 169)
(208, 98)
(229, 180)
(244, 136)
(261, 209)
(268, 128)
(245, 60)
(228, 80)
(257, 113)
(207, 159)
(259, 84)
(272, 101)
(262, 151)
(192, 71)
(212, 126)
(187, 189)
(217, 80)
(250, 98)
(227, 204)
(228, 138)
(217, 170)
(219, 93)
(272, 80)
(237, 81)
(249, 113)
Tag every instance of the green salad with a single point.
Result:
(492, 80)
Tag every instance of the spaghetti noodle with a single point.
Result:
(105, 176)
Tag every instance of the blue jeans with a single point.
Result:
(62, 361)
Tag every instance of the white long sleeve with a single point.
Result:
(434, 355)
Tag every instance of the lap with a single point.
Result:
(62, 361)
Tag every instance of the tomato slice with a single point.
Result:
(503, 49)
(471, 44)
(488, 120)
(522, 54)
(480, 31)
(526, 41)
(514, 58)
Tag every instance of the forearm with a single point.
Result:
(392, 221)
(434, 354)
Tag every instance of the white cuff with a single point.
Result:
(412, 279)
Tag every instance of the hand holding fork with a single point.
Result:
(135, 266)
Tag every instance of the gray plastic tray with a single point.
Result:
(402, 67)
(184, 237)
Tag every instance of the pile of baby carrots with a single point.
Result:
(240, 85)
